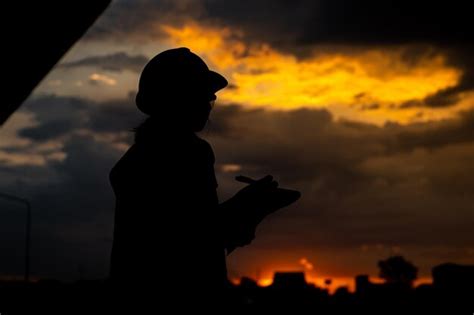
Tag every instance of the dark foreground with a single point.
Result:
(99, 297)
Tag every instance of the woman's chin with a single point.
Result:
(199, 124)
(199, 127)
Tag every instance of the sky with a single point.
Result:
(366, 107)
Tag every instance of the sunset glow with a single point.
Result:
(336, 282)
(369, 84)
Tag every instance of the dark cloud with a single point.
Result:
(47, 131)
(460, 57)
(117, 62)
(390, 22)
(57, 116)
(395, 185)
(137, 20)
(445, 97)
(370, 107)
(295, 23)
(76, 213)
(115, 116)
(73, 204)
(73, 208)
(53, 107)
(435, 135)
(315, 133)
(378, 184)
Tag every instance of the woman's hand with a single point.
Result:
(257, 194)
(243, 212)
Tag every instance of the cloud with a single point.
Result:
(97, 78)
(346, 82)
(397, 185)
(311, 129)
(46, 131)
(64, 174)
(303, 28)
(15, 159)
(386, 184)
(138, 20)
(73, 208)
(116, 62)
(74, 113)
(435, 135)
(390, 22)
(115, 116)
(284, 23)
(459, 56)
(54, 116)
(54, 119)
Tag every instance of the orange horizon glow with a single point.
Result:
(265, 276)
(336, 282)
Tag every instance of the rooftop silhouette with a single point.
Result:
(289, 289)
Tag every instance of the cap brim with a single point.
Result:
(216, 81)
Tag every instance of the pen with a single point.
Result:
(245, 179)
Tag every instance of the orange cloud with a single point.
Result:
(102, 78)
(306, 264)
(380, 79)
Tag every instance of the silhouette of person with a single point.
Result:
(170, 230)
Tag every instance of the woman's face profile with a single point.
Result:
(199, 109)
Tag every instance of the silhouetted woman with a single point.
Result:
(170, 232)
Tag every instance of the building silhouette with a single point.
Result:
(289, 280)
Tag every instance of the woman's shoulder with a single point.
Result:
(128, 158)
(142, 155)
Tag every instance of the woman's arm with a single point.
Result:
(237, 229)
(241, 214)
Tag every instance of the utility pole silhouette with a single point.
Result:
(27, 232)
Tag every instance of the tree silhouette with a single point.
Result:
(397, 270)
